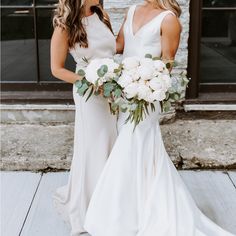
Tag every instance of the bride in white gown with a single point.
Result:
(140, 193)
(88, 35)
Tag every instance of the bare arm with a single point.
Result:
(171, 30)
(59, 51)
(120, 40)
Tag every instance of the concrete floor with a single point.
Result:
(27, 206)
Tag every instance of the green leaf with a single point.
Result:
(146, 108)
(85, 60)
(81, 72)
(168, 65)
(156, 58)
(102, 70)
(148, 56)
(153, 107)
(118, 92)
(117, 71)
(108, 87)
(90, 94)
(175, 63)
(82, 89)
(78, 84)
(166, 106)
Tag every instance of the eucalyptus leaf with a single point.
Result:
(90, 93)
(118, 92)
(156, 58)
(81, 72)
(78, 83)
(82, 89)
(102, 70)
(148, 56)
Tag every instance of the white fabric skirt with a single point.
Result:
(94, 135)
(140, 192)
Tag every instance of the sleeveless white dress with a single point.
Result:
(140, 192)
(94, 134)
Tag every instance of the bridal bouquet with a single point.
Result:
(144, 81)
(132, 86)
(99, 78)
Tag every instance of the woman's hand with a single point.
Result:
(59, 51)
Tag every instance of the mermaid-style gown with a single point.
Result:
(140, 192)
(94, 135)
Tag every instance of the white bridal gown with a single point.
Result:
(94, 135)
(140, 193)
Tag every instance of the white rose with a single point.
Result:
(131, 90)
(130, 63)
(159, 95)
(144, 92)
(124, 80)
(145, 72)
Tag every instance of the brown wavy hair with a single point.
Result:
(172, 5)
(68, 16)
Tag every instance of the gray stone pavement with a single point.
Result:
(191, 144)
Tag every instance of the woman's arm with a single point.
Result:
(120, 40)
(59, 51)
(170, 31)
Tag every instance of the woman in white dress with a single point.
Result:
(140, 193)
(83, 29)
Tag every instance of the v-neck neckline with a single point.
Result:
(143, 26)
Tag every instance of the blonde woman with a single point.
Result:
(83, 29)
(140, 193)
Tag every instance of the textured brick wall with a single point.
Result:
(117, 9)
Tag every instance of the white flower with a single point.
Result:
(147, 62)
(132, 73)
(145, 72)
(131, 90)
(130, 63)
(159, 95)
(150, 98)
(159, 65)
(144, 92)
(112, 66)
(125, 80)
(91, 71)
(157, 83)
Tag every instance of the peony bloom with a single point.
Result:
(131, 90)
(125, 80)
(145, 72)
(130, 63)
(159, 95)
(157, 83)
(159, 65)
(144, 92)
(91, 71)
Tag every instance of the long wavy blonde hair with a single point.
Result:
(172, 5)
(68, 15)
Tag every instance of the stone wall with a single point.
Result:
(117, 9)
